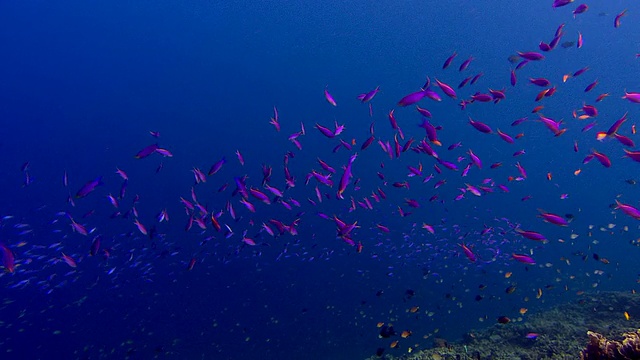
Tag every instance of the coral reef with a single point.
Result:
(560, 334)
(600, 347)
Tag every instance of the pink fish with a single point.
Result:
(468, 253)
(274, 119)
(525, 259)
(329, 98)
(217, 166)
(540, 82)
(580, 41)
(122, 174)
(465, 64)
(553, 218)
(8, 260)
(146, 151)
(69, 260)
(259, 195)
(78, 228)
(346, 177)
(591, 86)
(449, 60)
(412, 98)
(634, 97)
(448, 90)
(628, 209)
(505, 137)
(240, 157)
(482, 127)
(533, 56)
(164, 152)
(141, 227)
(552, 125)
(366, 97)
(325, 131)
(602, 158)
(616, 21)
(559, 3)
(633, 155)
(531, 235)
(89, 187)
(580, 9)
(475, 159)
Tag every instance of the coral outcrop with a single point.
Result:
(600, 347)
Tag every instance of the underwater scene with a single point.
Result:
(320, 180)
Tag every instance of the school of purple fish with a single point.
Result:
(265, 217)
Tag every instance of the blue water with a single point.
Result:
(83, 84)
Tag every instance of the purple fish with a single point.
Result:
(412, 98)
(531, 55)
(560, 3)
(633, 155)
(449, 60)
(448, 90)
(89, 187)
(8, 260)
(329, 98)
(482, 127)
(531, 235)
(147, 151)
(540, 82)
(580, 9)
(525, 259)
(325, 131)
(466, 63)
(628, 209)
(634, 97)
(366, 97)
(616, 21)
(217, 166)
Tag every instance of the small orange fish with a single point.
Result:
(380, 324)
(539, 294)
(565, 77)
(523, 311)
(508, 274)
(549, 176)
(414, 309)
(405, 334)
(394, 344)
(626, 315)
(577, 172)
(537, 108)
(519, 135)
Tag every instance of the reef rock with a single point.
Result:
(600, 347)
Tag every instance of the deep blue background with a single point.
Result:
(82, 84)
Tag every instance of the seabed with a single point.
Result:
(562, 332)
